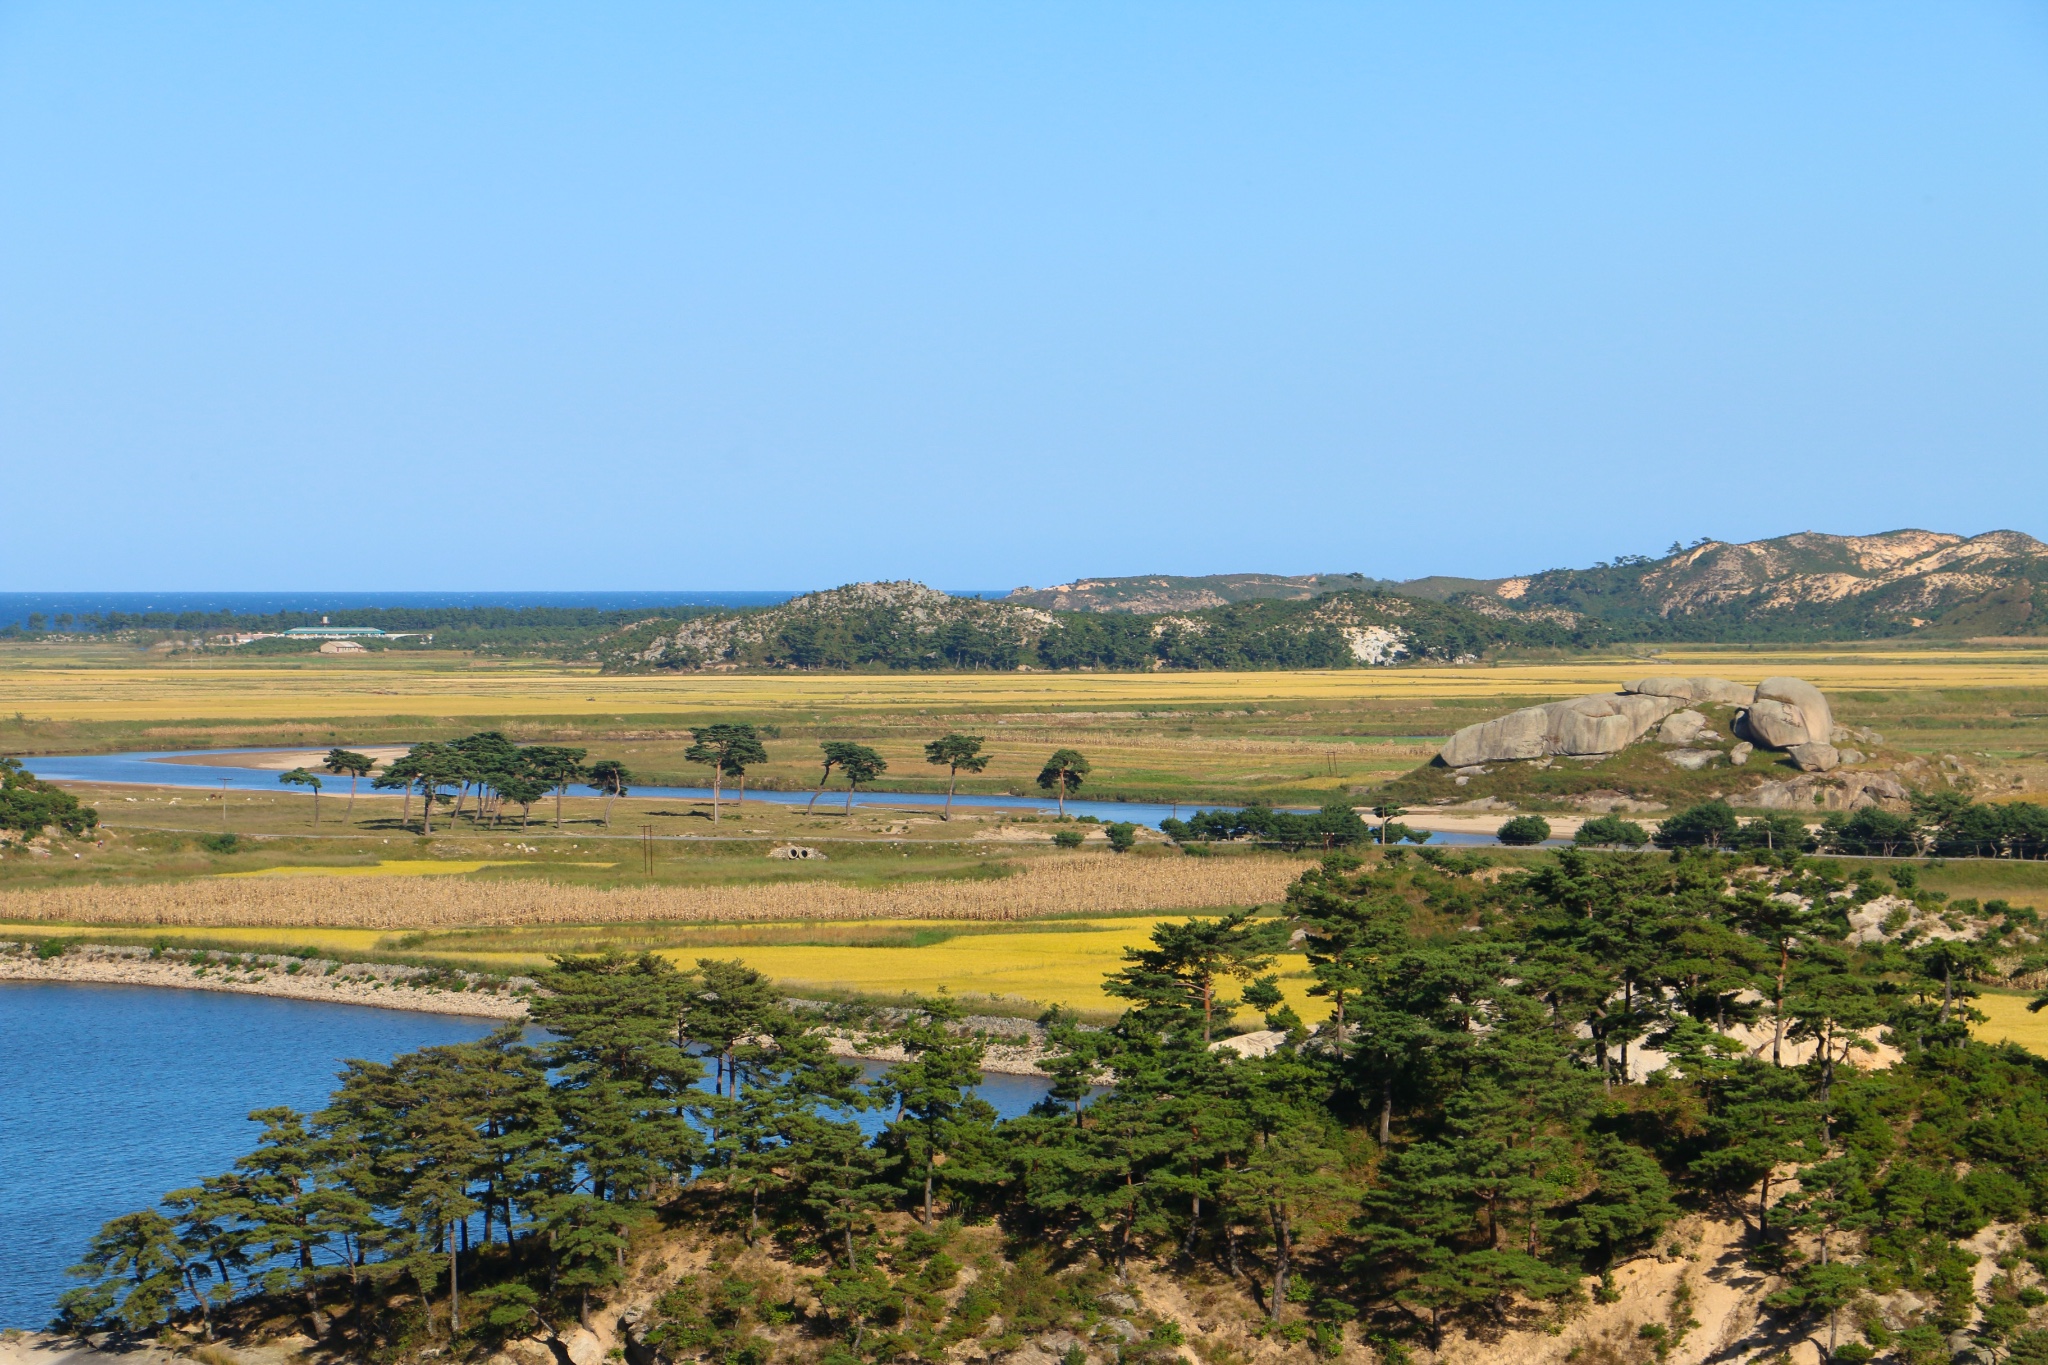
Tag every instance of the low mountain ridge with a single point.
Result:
(1156, 593)
(910, 626)
(1805, 586)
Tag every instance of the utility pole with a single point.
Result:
(223, 805)
(647, 849)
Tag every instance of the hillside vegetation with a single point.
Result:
(1807, 586)
(910, 626)
(1533, 1090)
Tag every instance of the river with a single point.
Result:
(161, 768)
(112, 1095)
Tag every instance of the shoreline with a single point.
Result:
(107, 970)
(103, 968)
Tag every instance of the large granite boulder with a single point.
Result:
(1815, 758)
(1797, 701)
(1605, 723)
(1693, 690)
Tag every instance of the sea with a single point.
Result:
(111, 1096)
(15, 607)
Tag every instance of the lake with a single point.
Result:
(112, 1095)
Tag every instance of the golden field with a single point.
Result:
(434, 687)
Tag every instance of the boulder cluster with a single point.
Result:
(1787, 714)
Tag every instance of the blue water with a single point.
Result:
(111, 1096)
(152, 769)
(16, 606)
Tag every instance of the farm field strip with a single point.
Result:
(1077, 886)
(184, 692)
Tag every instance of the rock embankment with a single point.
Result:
(384, 985)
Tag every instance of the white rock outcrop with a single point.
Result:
(1605, 723)
(1787, 714)
(1815, 758)
(1795, 712)
(1683, 727)
(1694, 689)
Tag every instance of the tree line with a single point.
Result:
(1522, 1079)
(488, 771)
(1940, 823)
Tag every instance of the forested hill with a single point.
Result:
(1799, 587)
(1158, 593)
(910, 626)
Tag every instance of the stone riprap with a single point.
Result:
(1787, 714)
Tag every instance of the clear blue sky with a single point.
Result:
(772, 295)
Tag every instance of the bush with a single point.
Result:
(1068, 838)
(1610, 831)
(1123, 836)
(220, 843)
(1707, 825)
(1524, 830)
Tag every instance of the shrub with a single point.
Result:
(220, 843)
(1610, 831)
(1123, 836)
(1707, 825)
(1524, 830)
(1068, 838)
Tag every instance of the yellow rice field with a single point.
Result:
(182, 692)
(1081, 885)
(2010, 1022)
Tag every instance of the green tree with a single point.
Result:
(1177, 979)
(718, 747)
(1122, 835)
(299, 777)
(557, 766)
(1610, 831)
(861, 765)
(1062, 774)
(136, 1264)
(610, 777)
(1386, 812)
(938, 1116)
(356, 766)
(1524, 829)
(835, 753)
(1710, 824)
(522, 789)
(956, 753)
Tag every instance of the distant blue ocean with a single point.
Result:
(16, 606)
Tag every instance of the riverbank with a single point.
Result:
(355, 983)
(1015, 1046)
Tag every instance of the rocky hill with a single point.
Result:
(1157, 593)
(910, 626)
(1798, 587)
(880, 625)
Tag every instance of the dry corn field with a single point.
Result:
(1085, 884)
